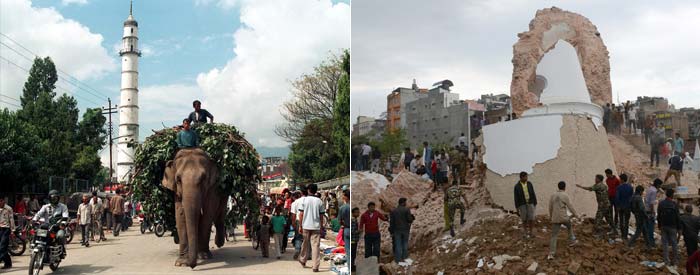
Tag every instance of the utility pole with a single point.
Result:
(109, 111)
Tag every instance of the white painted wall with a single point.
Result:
(517, 145)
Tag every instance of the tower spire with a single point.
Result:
(131, 7)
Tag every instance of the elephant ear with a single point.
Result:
(169, 176)
(213, 176)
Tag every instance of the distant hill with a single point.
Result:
(273, 151)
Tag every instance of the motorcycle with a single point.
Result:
(146, 224)
(70, 230)
(17, 242)
(47, 246)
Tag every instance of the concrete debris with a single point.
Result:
(573, 268)
(501, 260)
(473, 239)
(406, 262)
(480, 264)
(367, 266)
(532, 268)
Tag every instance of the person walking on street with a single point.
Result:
(369, 224)
(354, 236)
(641, 218)
(669, 224)
(632, 121)
(525, 202)
(278, 222)
(85, 220)
(7, 228)
(311, 214)
(623, 200)
(690, 227)
(264, 235)
(613, 182)
(345, 222)
(116, 205)
(559, 203)
(675, 168)
(678, 145)
(603, 212)
(97, 209)
(400, 220)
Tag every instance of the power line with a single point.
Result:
(69, 75)
(11, 98)
(60, 71)
(11, 104)
(57, 86)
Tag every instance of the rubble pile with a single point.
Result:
(629, 160)
(496, 246)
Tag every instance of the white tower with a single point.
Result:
(129, 104)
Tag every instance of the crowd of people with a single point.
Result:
(618, 199)
(308, 214)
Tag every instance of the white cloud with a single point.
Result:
(652, 46)
(45, 31)
(78, 2)
(225, 4)
(278, 42)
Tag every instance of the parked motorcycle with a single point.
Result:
(17, 242)
(146, 224)
(48, 247)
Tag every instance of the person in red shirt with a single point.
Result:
(21, 206)
(613, 182)
(369, 223)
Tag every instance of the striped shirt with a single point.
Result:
(6, 219)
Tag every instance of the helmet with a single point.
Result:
(53, 196)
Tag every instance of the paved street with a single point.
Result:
(133, 253)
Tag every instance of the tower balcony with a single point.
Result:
(125, 51)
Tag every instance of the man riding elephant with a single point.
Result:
(193, 177)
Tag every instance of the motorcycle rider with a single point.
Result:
(47, 211)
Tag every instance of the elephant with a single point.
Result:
(193, 177)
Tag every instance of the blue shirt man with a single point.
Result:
(186, 138)
(678, 144)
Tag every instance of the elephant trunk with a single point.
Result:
(192, 205)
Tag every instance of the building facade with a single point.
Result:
(369, 126)
(396, 100)
(438, 118)
(129, 100)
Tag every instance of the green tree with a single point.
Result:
(66, 148)
(20, 156)
(341, 118)
(311, 159)
(393, 142)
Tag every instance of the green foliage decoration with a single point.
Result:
(235, 156)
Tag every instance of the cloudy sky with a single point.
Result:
(652, 45)
(237, 56)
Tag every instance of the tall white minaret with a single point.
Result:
(129, 104)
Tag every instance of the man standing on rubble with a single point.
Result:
(427, 158)
(690, 227)
(675, 168)
(669, 223)
(453, 197)
(525, 202)
(369, 223)
(400, 220)
(558, 204)
(613, 182)
(458, 164)
(678, 145)
(623, 200)
(603, 212)
(640, 217)
(650, 203)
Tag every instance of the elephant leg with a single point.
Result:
(204, 235)
(220, 236)
(182, 234)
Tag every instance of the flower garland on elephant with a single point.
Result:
(238, 171)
